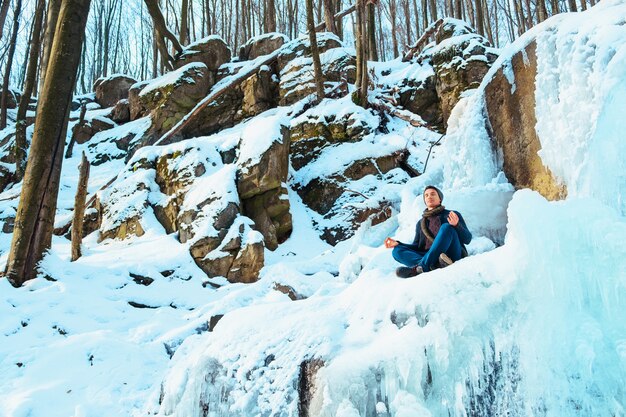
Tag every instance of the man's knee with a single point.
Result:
(446, 228)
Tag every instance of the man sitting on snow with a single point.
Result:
(440, 238)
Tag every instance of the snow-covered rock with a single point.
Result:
(212, 51)
(261, 45)
(109, 90)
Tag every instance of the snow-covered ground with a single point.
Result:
(533, 327)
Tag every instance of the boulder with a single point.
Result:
(263, 195)
(136, 106)
(420, 97)
(111, 89)
(310, 136)
(121, 112)
(260, 92)
(13, 98)
(296, 76)
(212, 51)
(81, 133)
(511, 114)
(302, 47)
(170, 97)
(6, 176)
(460, 59)
(261, 45)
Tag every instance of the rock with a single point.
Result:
(261, 45)
(111, 89)
(121, 112)
(247, 264)
(512, 119)
(420, 97)
(289, 291)
(13, 98)
(212, 51)
(460, 59)
(302, 47)
(327, 196)
(296, 77)
(271, 216)
(136, 106)
(268, 173)
(264, 198)
(170, 97)
(260, 92)
(83, 132)
(6, 176)
(309, 136)
(129, 227)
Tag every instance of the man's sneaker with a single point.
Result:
(408, 272)
(444, 260)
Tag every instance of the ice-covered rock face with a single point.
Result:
(511, 114)
(111, 89)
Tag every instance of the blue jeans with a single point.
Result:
(446, 241)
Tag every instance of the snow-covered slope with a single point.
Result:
(532, 327)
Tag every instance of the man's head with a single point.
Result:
(432, 197)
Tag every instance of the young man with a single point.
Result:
(440, 238)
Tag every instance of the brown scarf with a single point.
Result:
(427, 214)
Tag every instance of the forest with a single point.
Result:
(120, 34)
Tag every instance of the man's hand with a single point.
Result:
(391, 243)
(453, 219)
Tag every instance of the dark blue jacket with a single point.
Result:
(419, 242)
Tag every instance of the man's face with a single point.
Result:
(431, 198)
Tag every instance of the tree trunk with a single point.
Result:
(362, 80)
(4, 11)
(424, 15)
(371, 32)
(572, 6)
(53, 15)
(29, 85)
(315, 53)
(542, 13)
(162, 31)
(479, 18)
(329, 16)
(34, 221)
(407, 18)
(270, 16)
(184, 9)
(7, 71)
(79, 208)
(555, 7)
(433, 10)
(394, 32)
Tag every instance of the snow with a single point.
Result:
(530, 325)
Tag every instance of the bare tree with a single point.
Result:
(329, 16)
(34, 221)
(371, 32)
(29, 85)
(270, 16)
(315, 53)
(54, 6)
(162, 33)
(184, 18)
(79, 207)
(7, 72)
(362, 79)
(4, 11)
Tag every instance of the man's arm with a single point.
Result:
(465, 236)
